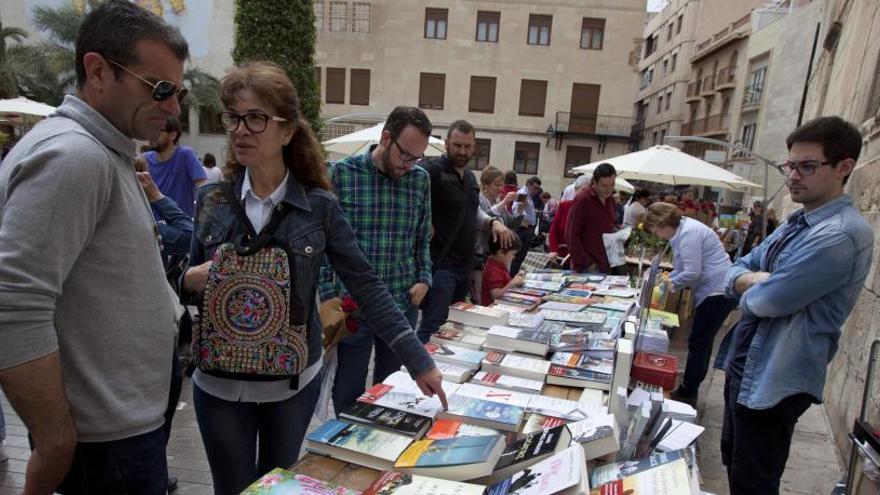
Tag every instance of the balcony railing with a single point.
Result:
(726, 77)
(708, 85)
(711, 124)
(616, 126)
(753, 94)
(693, 89)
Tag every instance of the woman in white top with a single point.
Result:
(700, 263)
(212, 171)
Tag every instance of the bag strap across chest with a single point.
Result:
(251, 242)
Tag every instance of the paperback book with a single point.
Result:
(531, 449)
(358, 444)
(576, 377)
(531, 341)
(460, 335)
(398, 483)
(619, 470)
(508, 382)
(493, 394)
(582, 340)
(575, 318)
(538, 422)
(514, 365)
(562, 306)
(396, 421)
(598, 435)
(672, 477)
(283, 482)
(496, 415)
(457, 459)
(526, 301)
(454, 373)
(455, 354)
(595, 361)
(562, 473)
(478, 316)
(447, 428)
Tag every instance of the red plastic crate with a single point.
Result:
(655, 369)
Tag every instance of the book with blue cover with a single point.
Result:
(358, 444)
(457, 459)
(484, 413)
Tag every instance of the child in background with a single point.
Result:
(496, 272)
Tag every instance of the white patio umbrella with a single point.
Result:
(356, 142)
(669, 165)
(21, 108)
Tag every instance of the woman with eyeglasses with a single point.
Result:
(276, 182)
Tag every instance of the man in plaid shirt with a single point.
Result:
(387, 200)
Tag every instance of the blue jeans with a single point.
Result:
(708, 318)
(353, 357)
(230, 431)
(449, 287)
(135, 465)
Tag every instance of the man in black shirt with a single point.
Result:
(455, 214)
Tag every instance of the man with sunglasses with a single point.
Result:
(795, 290)
(387, 199)
(87, 319)
(175, 169)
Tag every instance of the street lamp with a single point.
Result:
(550, 133)
(735, 147)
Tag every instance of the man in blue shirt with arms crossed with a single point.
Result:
(795, 291)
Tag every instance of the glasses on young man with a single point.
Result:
(256, 122)
(162, 90)
(406, 156)
(803, 168)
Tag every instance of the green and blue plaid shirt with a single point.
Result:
(392, 221)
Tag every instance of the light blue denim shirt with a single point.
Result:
(699, 260)
(813, 285)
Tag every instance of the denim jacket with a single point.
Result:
(316, 226)
(814, 283)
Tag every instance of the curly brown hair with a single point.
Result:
(303, 155)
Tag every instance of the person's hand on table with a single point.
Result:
(430, 383)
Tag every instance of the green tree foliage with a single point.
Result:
(283, 32)
(44, 71)
(8, 81)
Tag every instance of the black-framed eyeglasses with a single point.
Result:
(803, 168)
(162, 90)
(255, 122)
(406, 156)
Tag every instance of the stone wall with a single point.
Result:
(841, 84)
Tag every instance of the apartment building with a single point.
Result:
(547, 84)
(664, 69)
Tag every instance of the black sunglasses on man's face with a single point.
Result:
(162, 90)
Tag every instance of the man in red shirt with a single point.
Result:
(591, 215)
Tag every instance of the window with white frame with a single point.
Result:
(319, 15)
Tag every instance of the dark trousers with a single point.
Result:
(449, 287)
(708, 318)
(230, 431)
(135, 466)
(353, 359)
(525, 235)
(755, 442)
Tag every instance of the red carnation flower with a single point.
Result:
(348, 304)
(352, 325)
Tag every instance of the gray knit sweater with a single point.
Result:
(80, 273)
